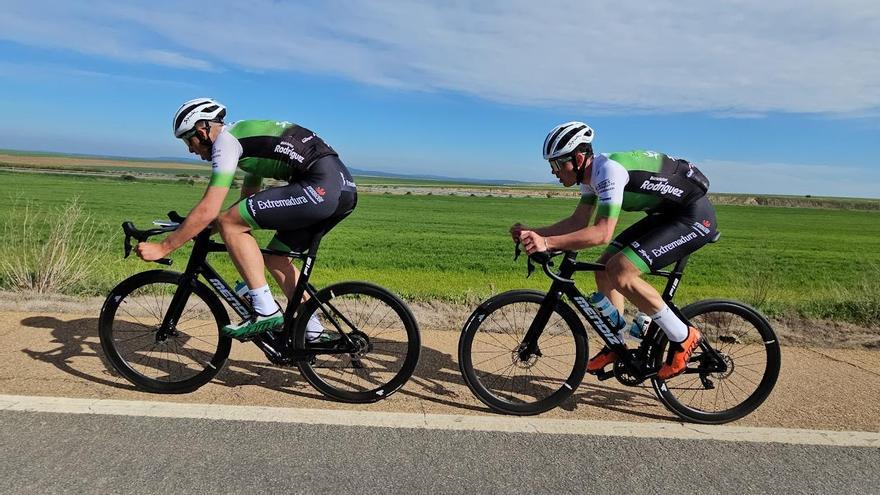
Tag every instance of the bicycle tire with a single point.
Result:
(151, 364)
(504, 326)
(751, 351)
(385, 329)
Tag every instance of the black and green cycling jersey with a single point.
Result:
(265, 148)
(641, 181)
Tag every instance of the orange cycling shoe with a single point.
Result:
(602, 359)
(679, 355)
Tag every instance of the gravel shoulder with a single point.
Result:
(53, 353)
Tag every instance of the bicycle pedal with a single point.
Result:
(604, 375)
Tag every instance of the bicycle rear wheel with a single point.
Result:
(385, 337)
(493, 369)
(182, 361)
(747, 345)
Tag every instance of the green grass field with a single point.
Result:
(810, 262)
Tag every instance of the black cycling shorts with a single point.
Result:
(664, 237)
(317, 199)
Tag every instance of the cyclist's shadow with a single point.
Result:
(432, 378)
(439, 377)
(77, 339)
(629, 400)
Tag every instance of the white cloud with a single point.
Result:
(739, 58)
(172, 59)
(87, 29)
(29, 72)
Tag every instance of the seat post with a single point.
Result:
(313, 252)
(674, 278)
(303, 280)
(316, 240)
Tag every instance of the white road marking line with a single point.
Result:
(438, 421)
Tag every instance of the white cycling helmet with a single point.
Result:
(564, 138)
(195, 110)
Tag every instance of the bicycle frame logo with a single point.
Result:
(596, 320)
(229, 297)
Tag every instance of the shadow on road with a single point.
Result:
(79, 338)
(437, 371)
(437, 378)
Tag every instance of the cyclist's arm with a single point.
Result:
(224, 161)
(576, 221)
(601, 232)
(198, 218)
(611, 179)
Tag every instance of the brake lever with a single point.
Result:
(530, 267)
(131, 232)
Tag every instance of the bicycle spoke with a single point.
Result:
(741, 341)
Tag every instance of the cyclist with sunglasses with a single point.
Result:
(680, 219)
(319, 188)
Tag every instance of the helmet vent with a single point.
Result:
(182, 115)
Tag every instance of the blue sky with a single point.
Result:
(766, 99)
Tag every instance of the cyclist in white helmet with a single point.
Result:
(319, 192)
(680, 220)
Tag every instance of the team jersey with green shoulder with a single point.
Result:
(264, 148)
(641, 181)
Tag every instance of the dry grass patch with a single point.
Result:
(54, 264)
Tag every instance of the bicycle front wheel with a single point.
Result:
(494, 370)
(178, 361)
(385, 342)
(746, 343)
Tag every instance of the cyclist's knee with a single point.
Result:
(275, 262)
(230, 221)
(620, 271)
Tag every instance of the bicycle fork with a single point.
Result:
(168, 327)
(529, 345)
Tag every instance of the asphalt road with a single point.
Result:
(77, 453)
(58, 355)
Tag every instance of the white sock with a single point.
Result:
(314, 329)
(263, 301)
(672, 326)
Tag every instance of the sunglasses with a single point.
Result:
(556, 164)
(188, 135)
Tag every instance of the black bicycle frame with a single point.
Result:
(198, 265)
(563, 284)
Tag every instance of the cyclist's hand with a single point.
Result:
(516, 230)
(151, 251)
(533, 242)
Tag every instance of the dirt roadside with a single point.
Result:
(51, 353)
(442, 316)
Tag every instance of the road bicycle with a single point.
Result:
(160, 329)
(523, 352)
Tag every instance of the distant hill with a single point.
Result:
(162, 159)
(355, 171)
(174, 159)
(439, 178)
